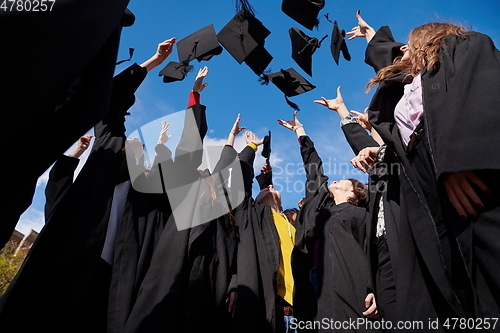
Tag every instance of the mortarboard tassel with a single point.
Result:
(264, 79)
(292, 104)
(244, 4)
(130, 53)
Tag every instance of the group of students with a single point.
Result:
(418, 243)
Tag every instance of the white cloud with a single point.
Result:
(31, 219)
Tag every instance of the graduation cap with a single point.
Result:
(242, 35)
(200, 45)
(258, 60)
(266, 147)
(128, 18)
(175, 71)
(338, 43)
(290, 83)
(303, 47)
(304, 12)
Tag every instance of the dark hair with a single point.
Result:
(360, 193)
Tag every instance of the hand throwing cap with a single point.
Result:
(304, 12)
(200, 45)
(174, 71)
(242, 35)
(303, 47)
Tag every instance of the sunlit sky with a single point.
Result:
(234, 88)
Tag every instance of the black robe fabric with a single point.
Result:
(62, 93)
(451, 94)
(64, 276)
(257, 258)
(170, 280)
(343, 272)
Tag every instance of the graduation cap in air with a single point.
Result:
(175, 71)
(303, 48)
(266, 147)
(244, 37)
(258, 60)
(290, 83)
(338, 43)
(128, 18)
(304, 12)
(200, 45)
(242, 34)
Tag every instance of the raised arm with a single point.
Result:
(312, 162)
(354, 129)
(124, 87)
(363, 29)
(265, 178)
(62, 173)
(247, 158)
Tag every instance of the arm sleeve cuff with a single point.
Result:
(252, 145)
(194, 98)
(347, 119)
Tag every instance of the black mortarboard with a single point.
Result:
(338, 43)
(174, 71)
(290, 83)
(303, 47)
(266, 147)
(200, 45)
(304, 12)
(258, 60)
(242, 35)
(128, 18)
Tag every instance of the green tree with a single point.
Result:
(9, 265)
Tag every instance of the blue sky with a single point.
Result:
(233, 88)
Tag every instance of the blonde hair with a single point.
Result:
(424, 43)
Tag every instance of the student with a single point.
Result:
(335, 214)
(423, 109)
(66, 264)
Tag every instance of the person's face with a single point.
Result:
(341, 189)
(406, 53)
(269, 195)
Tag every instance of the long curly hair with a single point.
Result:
(424, 43)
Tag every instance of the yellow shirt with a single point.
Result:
(286, 234)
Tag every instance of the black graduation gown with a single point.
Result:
(257, 258)
(170, 280)
(422, 247)
(61, 275)
(344, 274)
(62, 93)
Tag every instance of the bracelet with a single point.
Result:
(381, 153)
(295, 128)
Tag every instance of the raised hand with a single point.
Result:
(236, 129)
(251, 138)
(163, 138)
(293, 124)
(362, 119)
(361, 30)
(81, 146)
(198, 82)
(162, 52)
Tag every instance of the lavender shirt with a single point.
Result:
(409, 109)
